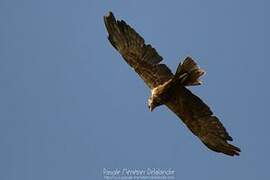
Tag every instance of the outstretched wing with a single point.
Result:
(143, 58)
(200, 120)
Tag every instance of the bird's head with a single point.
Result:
(153, 103)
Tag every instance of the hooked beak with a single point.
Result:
(150, 108)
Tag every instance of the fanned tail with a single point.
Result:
(188, 73)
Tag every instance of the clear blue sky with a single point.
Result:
(70, 106)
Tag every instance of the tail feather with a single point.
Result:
(188, 73)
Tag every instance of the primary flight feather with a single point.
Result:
(170, 89)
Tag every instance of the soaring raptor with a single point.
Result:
(170, 89)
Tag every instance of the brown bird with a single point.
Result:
(170, 89)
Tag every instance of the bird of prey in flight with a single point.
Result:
(170, 89)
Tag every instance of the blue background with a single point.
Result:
(70, 106)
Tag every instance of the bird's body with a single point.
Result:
(170, 89)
